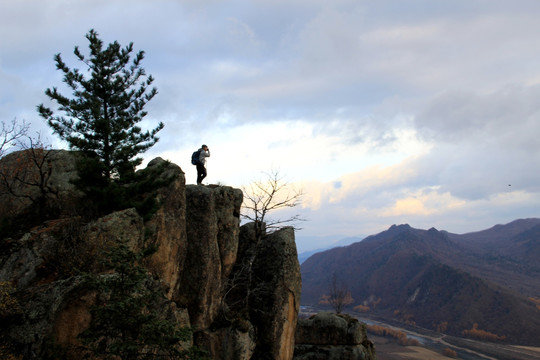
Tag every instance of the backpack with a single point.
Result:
(195, 157)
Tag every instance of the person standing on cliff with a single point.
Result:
(204, 152)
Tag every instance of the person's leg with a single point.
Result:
(198, 174)
(201, 173)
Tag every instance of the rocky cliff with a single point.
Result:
(239, 296)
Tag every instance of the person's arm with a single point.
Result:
(203, 155)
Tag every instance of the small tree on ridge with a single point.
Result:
(260, 199)
(339, 297)
(108, 102)
(267, 196)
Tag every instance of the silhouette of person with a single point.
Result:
(204, 152)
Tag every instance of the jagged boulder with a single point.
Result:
(275, 294)
(328, 336)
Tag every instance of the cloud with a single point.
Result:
(423, 203)
(510, 112)
(385, 112)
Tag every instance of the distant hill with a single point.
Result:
(508, 255)
(307, 254)
(303, 256)
(439, 280)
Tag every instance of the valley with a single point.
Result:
(431, 345)
(474, 293)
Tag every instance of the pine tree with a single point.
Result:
(108, 102)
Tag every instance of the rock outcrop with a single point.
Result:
(276, 297)
(240, 296)
(212, 228)
(260, 304)
(328, 336)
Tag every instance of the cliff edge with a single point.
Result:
(239, 296)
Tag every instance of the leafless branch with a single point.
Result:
(340, 296)
(10, 133)
(30, 171)
(269, 195)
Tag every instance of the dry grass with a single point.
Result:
(421, 353)
(388, 349)
(530, 350)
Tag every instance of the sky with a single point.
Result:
(381, 112)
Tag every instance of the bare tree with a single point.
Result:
(261, 198)
(10, 134)
(339, 297)
(32, 171)
(265, 196)
(27, 172)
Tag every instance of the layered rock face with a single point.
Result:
(240, 296)
(328, 336)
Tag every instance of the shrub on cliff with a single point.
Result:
(128, 320)
(9, 307)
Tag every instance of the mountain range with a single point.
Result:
(303, 256)
(483, 284)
